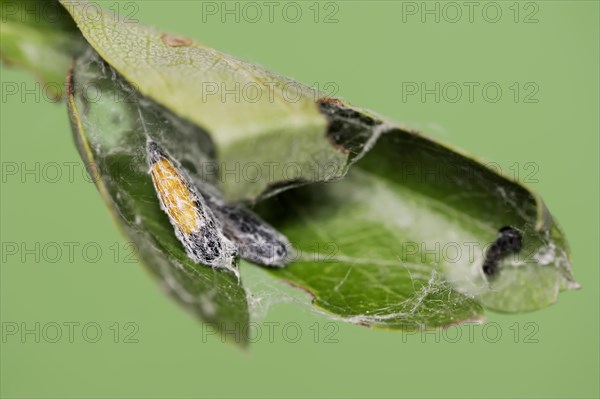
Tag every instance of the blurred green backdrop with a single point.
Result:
(544, 56)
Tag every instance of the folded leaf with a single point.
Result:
(410, 234)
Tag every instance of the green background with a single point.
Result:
(368, 53)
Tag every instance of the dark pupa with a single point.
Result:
(508, 241)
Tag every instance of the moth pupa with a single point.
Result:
(257, 241)
(194, 223)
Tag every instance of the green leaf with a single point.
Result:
(39, 35)
(400, 241)
(277, 126)
(111, 136)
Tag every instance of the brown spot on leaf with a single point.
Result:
(330, 100)
(175, 41)
(5, 60)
